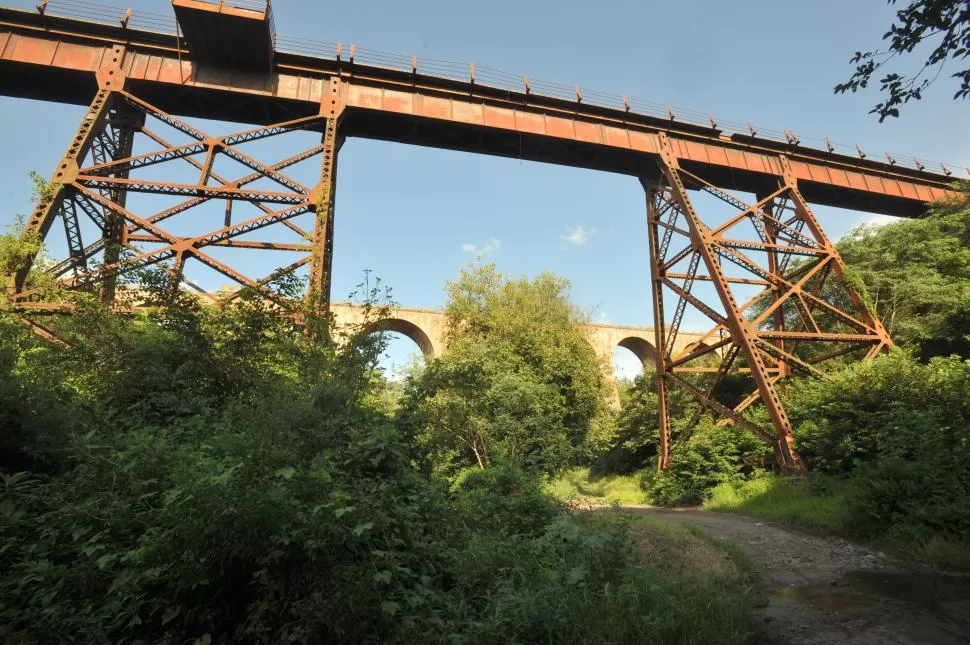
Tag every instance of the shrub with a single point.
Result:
(713, 455)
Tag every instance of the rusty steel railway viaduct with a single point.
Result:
(767, 276)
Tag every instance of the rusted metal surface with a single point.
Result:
(323, 196)
(236, 35)
(92, 180)
(802, 315)
(409, 103)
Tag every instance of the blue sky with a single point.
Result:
(414, 216)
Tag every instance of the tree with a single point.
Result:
(942, 25)
(917, 274)
(519, 380)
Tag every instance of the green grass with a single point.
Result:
(938, 552)
(776, 498)
(704, 583)
(823, 503)
(578, 485)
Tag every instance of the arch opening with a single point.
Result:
(633, 357)
(626, 366)
(408, 329)
(641, 348)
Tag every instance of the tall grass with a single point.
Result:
(701, 587)
(579, 485)
(810, 504)
(825, 502)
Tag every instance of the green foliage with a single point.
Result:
(518, 382)
(941, 27)
(917, 273)
(19, 247)
(33, 417)
(16, 248)
(635, 443)
(839, 504)
(821, 502)
(502, 499)
(713, 455)
(580, 484)
(898, 429)
(213, 475)
(892, 406)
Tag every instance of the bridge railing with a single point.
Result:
(252, 5)
(485, 76)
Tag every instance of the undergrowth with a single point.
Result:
(579, 484)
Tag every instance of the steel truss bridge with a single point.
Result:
(767, 277)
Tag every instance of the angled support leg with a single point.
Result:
(743, 333)
(53, 200)
(58, 189)
(126, 122)
(873, 325)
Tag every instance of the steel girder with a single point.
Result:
(802, 314)
(97, 175)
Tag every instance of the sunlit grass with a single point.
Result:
(709, 578)
(776, 498)
(824, 503)
(578, 485)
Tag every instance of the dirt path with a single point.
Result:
(822, 590)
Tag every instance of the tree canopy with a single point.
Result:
(940, 27)
(917, 274)
(519, 380)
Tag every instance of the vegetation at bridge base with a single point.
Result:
(209, 475)
(889, 448)
(888, 441)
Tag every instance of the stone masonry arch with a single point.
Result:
(426, 327)
(406, 328)
(641, 348)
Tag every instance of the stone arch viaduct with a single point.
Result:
(426, 327)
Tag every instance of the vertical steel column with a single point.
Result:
(652, 188)
(778, 317)
(742, 331)
(323, 199)
(775, 265)
(127, 121)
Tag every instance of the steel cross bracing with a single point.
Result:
(98, 173)
(803, 312)
(766, 277)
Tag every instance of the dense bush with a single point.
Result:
(902, 430)
(202, 475)
(712, 455)
(917, 273)
(519, 381)
(634, 444)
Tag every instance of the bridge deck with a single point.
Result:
(215, 32)
(54, 58)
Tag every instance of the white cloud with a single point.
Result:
(602, 318)
(490, 247)
(881, 220)
(577, 235)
